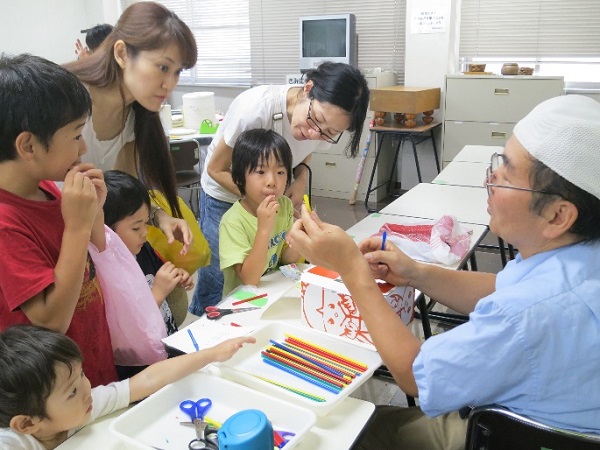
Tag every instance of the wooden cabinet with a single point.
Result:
(484, 109)
(334, 173)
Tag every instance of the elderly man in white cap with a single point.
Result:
(531, 342)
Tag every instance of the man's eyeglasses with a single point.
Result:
(314, 126)
(497, 161)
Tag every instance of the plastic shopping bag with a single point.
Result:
(446, 241)
(134, 320)
(198, 254)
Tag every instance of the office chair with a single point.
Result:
(185, 155)
(494, 427)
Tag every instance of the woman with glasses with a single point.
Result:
(333, 100)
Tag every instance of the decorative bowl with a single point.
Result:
(510, 69)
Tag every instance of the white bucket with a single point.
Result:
(198, 106)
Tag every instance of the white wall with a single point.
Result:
(47, 28)
(428, 58)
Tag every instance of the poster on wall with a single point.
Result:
(428, 19)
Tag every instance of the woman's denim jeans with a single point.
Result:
(209, 288)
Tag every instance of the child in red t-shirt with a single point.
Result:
(47, 277)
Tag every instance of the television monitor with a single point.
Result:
(327, 38)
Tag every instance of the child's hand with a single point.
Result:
(79, 203)
(267, 212)
(97, 177)
(165, 280)
(226, 349)
(186, 280)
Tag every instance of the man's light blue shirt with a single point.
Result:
(532, 346)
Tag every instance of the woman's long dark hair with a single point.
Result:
(143, 26)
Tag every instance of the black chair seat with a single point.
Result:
(187, 177)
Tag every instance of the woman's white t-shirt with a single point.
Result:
(250, 110)
(104, 153)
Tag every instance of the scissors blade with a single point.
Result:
(238, 310)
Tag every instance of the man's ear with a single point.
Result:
(26, 145)
(560, 216)
(24, 424)
(120, 53)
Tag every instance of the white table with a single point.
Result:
(279, 289)
(336, 430)
(373, 222)
(477, 153)
(202, 139)
(462, 173)
(431, 201)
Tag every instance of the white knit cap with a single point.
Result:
(564, 134)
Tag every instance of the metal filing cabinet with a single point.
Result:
(483, 109)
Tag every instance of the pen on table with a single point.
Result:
(307, 203)
(193, 339)
(256, 297)
(383, 238)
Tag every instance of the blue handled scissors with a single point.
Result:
(206, 437)
(214, 312)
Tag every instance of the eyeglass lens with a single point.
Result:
(314, 126)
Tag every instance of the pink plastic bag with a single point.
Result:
(135, 322)
(446, 241)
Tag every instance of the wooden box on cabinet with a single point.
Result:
(405, 99)
(484, 109)
(334, 173)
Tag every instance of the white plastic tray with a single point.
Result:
(155, 422)
(248, 361)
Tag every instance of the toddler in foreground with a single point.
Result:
(45, 396)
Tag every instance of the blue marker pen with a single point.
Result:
(193, 339)
(383, 238)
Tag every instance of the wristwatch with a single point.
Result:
(153, 210)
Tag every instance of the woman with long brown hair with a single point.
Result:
(129, 77)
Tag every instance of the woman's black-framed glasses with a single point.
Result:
(497, 161)
(314, 126)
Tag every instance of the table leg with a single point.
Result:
(394, 164)
(424, 315)
(370, 186)
(435, 153)
(414, 145)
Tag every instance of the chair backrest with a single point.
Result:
(185, 154)
(496, 428)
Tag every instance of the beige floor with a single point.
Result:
(381, 390)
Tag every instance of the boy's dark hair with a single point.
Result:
(95, 36)
(253, 148)
(29, 356)
(125, 195)
(38, 96)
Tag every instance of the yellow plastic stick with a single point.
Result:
(358, 363)
(307, 203)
